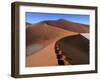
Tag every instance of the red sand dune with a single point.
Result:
(47, 33)
(68, 25)
(42, 32)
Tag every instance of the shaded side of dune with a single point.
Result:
(76, 48)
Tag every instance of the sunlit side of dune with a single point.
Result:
(46, 56)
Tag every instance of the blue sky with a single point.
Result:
(32, 17)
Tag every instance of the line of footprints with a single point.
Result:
(60, 57)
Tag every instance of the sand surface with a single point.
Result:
(43, 36)
(47, 55)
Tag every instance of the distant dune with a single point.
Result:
(68, 25)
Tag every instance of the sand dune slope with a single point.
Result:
(42, 33)
(76, 48)
(48, 37)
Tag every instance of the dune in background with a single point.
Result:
(42, 37)
(68, 25)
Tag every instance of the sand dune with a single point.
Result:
(47, 55)
(68, 25)
(44, 35)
